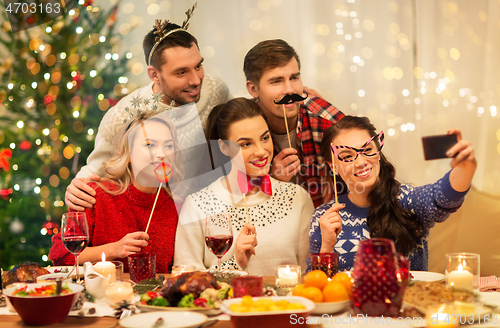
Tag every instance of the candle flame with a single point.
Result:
(288, 269)
(103, 257)
(460, 267)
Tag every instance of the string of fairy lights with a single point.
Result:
(53, 77)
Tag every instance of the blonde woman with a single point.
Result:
(125, 197)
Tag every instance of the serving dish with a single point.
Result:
(330, 307)
(269, 319)
(183, 319)
(43, 310)
(53, 277)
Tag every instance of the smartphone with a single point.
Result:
(435, 147)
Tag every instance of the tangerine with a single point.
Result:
(313, 293)
(316, 278)
(299, 290)
(334, 291)
(345, 280)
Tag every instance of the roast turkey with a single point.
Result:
(26, 272)
(175, 288)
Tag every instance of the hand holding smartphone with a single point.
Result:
(435, 147)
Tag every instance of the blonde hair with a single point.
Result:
(117, 169)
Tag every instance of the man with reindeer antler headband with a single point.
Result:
(272, 70)
(179, 85)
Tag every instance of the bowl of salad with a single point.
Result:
(40, 304)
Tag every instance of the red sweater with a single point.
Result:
(112, 217)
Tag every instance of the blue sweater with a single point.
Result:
(431, 203)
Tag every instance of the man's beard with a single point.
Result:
(178, 100)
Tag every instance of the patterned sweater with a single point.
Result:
(431, 203)
(281, 222)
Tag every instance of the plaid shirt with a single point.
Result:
(315, 116)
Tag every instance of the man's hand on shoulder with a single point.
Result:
(79, 195)
(311, 92)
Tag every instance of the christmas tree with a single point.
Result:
(56, 82)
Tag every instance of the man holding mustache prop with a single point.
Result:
(272, 70)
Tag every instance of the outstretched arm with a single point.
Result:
(463, 163)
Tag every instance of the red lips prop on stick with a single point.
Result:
(163, 173)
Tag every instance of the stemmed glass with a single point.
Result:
(219, 235)
(75, 234)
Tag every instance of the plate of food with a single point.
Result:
(192, 291)
(427, 276)
(67, 270)
(423, 295)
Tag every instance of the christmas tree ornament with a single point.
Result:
(25, 145)
(16, 226)
(5, 155)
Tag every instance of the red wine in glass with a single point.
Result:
(75, 235)
(219, 245)
(75, 245)
(219, 235)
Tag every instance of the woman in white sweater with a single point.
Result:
(279, 212)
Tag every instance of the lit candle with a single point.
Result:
(106, 268)
(182, 268)
(119, 291)
(460, 279)
(287, 277)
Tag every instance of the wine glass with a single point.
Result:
(219, 235)
(75, 234)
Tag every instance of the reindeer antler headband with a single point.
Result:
(159, 27)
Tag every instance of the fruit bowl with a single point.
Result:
(330, 307)
(269, 319)
(43, 310)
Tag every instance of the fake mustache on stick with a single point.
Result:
(289, 99)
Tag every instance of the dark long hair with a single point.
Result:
(222, 117)
(387, 218)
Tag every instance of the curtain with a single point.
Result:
(414, 67)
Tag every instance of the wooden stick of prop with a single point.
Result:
(286, 125)
(334, 179)
(246, 208)
(151, 215)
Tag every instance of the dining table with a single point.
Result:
(344, 319)
(14, 320)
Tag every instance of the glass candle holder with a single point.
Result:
(118, 270)
(326, 262)
(247, 285)
(462, 271)
(142, 266)
(288, 275)
(182, 268)
(119, 291)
